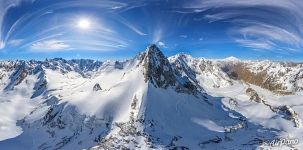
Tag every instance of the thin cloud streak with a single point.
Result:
(256, 23)
(5, 5)
(130, 26)
(50, 45)
(17, 25)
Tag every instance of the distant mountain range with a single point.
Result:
(149, 102)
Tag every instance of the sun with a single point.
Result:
(84, 23)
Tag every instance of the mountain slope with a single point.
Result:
(148, 102)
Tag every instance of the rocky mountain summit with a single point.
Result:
(159, 71)
(149, 102)
(279, 77)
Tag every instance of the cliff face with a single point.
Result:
(280, 78)
(148, 102)
(160, 72)
(157, 69)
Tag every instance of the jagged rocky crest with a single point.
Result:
(160, 72)
(157, 69)
(279, 77)
(76, 104)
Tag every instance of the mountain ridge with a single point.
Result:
(92, 65)
(148, 102)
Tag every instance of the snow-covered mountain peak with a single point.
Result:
(181, 61)
(231, 58)
(148, 102)
(159, 71)
(78, 65)
(157, 68)
(182, 56)
(154, 52)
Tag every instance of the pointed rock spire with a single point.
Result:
(157, 68)
(97, 87)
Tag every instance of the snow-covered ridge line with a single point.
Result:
(281, 77)
(79, 61)
(148, 102)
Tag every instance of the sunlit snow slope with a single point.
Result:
(148, 102)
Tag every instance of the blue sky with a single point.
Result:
(119, 29)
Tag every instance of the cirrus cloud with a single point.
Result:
(5, 5)
(49, 45)
(258, 24)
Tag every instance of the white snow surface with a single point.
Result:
(55, 107)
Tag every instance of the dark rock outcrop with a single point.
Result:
(159, 72)
(157, 68)
(290, 114)
(253, 95)
(97, 87)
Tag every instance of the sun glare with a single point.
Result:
(84, 23)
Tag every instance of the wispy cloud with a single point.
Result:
(130, 26)
(258, 24)
(267, 45)
(15, 42)
(49, 45)
(183, 36)
(266, 37)
(270, 32)
(14, 27)
(2, 45)
(157, 34)
(162, 44)
(5, 5)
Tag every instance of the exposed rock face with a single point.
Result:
(290, 114)
(240, 72)
(200, 71)
(280, 78)
(180, 63)
(22, 70)
(97, 87)
(210, 69)
(129, 133)
(253, 95)
(188, 75)
(287, 112)
(60, 118)
(118, 65)
(81, 66)
(159, 71)
(1, 75)
(62, 125)
(157, 68)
